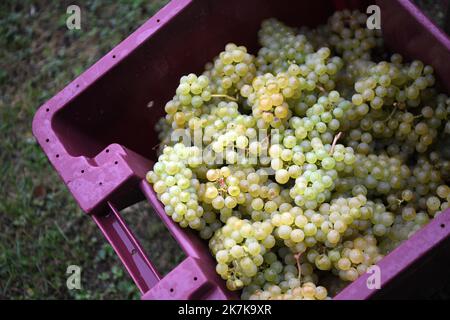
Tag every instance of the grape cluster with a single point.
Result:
(239, 247)
(176, 185)
(231, 70)
(350, 259)
(347, 34)
(379, 174)
(402, 116)
(307, 291)
(283, 277)
(281, 47)
(191, 94)
(317, 157)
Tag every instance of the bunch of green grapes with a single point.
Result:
(425, 197)
(192, 91)
(362, 142)
(323, 119)
(341, 218)
(352, 258)
(221, 118)
(305, 164)
(307, 291)
(267, 96)
(440, 158)
(176, 185)
(231, 70)
(283, 277)
(349, 36)
(191, 95)
(322, 165)
(381, 175)
(393, 84)
(238, 248)
(399, 107)
(348, 260)
(283, 50)
(425, 191)
(403, 228)
(281, 47)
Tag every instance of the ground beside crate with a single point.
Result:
(42, 230)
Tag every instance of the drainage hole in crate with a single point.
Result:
(171, 290)
(57, 155)
(82, 171)
(77, 85)
(116, 162)
(47, 140)
(100, 183)
(157, 20)
(195, 278)
(442, 225)
(114, 56)
(107, 150)
(47, 110)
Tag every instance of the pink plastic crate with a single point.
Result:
(98, 134)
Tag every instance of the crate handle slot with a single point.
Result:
(128, 249)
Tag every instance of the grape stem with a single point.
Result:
(222, 186)
(391, 115)
(224, 96)
(400, 105)
(297, 258)
(266, 138)
(157, 145)
(335, 140)
(399, 203)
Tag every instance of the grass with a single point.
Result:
(42, 230)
